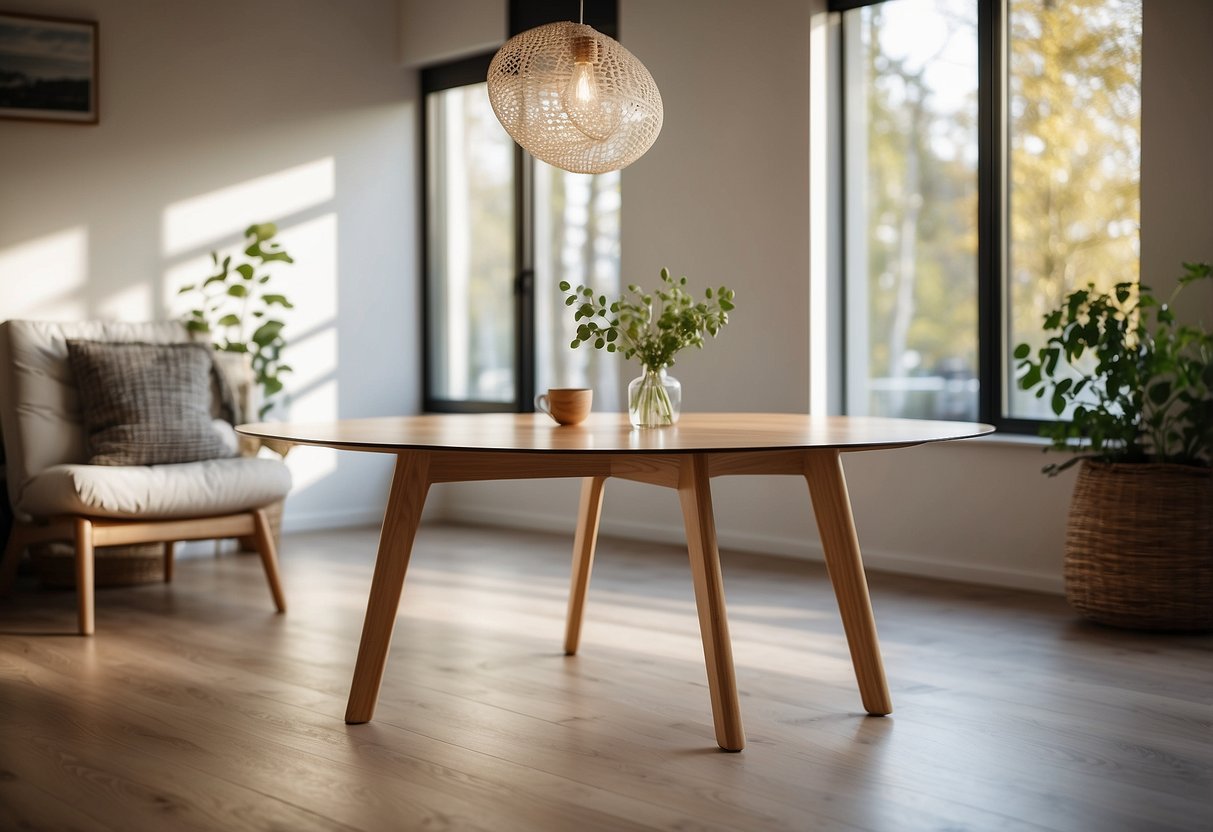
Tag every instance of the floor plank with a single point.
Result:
(195, 707)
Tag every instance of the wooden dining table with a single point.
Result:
(686, 456)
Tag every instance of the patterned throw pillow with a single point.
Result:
(146, 404)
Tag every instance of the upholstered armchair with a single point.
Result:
(110, 438)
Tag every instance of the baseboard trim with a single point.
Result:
(331, 519)
(878, 560)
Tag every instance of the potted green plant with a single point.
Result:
(651, 327)
(1135, 389)
(236, 308)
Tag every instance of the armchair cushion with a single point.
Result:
(39, 405)
(190, 489)
(146, 404)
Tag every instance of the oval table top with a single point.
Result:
(611, 433)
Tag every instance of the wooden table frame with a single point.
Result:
(690, 474)
(438, 448)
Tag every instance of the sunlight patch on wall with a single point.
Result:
(200, 220)
(313, 359)
(309, 465)
(44, 278)
(311, 334)
(133, 303)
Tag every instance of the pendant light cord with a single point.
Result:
(581, 18)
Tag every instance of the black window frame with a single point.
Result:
(461, 73)
(993, 162)
(603, 15)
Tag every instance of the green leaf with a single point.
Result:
(197, 326)
(280, 300)
(229, 320)
(1031, 378)
(237, 290)
(189, 287)
(245, 270)
(1022, 351)
(267, 332)
(262, 231)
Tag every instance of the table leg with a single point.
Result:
(832, 507)
(410, 482)
(695, 494)
(589, 510)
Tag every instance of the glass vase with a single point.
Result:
(654, 399)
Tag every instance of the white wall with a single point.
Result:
(723, 196)
(431, 33)
(215, 115)
(1177, 151)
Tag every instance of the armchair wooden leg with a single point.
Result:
(84, 574)
(588, 512)
(169, 546)
(269, 557)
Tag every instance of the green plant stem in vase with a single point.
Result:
(651, 327)
(654, 399)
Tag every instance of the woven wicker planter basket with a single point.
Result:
(1139, 546)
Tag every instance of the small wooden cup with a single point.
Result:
(567, 405)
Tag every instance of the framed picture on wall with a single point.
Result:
(48, 68)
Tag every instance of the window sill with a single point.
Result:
(1011, 440)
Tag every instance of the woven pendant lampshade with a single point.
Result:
(575, 98)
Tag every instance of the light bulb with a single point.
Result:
(591, 112)
(583, 89)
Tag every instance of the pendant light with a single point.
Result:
(575, 98)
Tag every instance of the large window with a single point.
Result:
(502, 231)
(990, 164)
(470, 247)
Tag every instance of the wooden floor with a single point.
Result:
(195, 707)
